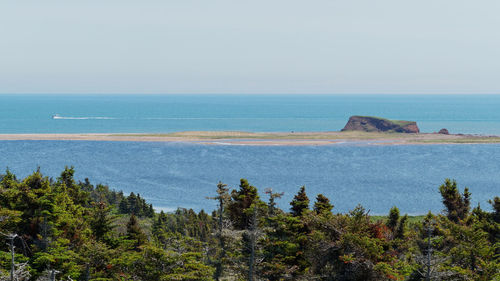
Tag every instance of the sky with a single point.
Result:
(258, 46)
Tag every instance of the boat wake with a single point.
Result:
(56, 116)
(81, 118)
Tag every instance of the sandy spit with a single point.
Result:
(267, 139)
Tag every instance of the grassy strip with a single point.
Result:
(349, 135)
(401, 123)
(460, 141)
(424, 138)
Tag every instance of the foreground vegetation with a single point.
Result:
(67, 230)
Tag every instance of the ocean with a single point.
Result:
(171, 175)
(474, 114)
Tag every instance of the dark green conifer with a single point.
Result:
(8, 180)
(400, 231)
(393, 219)
(132, 204)
(159, 223)
(134, 232)
(223, 198)
(457, 205)
(151, 211)
(123, 206)
(322, 204)
(300, 202)
(241, 202)
(101, 222)
(78, 195)
(495, 203)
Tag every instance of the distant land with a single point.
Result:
(378, 124)
(358, 130)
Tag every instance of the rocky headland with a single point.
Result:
(377, 124)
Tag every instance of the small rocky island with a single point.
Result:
(377, 124)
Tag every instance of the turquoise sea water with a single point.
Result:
(172, 175)
(477, 114)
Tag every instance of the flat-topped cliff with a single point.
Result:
(377, 124)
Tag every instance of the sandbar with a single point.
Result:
(267, 138)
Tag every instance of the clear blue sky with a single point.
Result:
(258, 46)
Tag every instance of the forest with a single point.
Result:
(63, 229)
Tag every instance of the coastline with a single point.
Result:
(266, 138)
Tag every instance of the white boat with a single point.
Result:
(56, 116)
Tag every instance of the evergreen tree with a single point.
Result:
(271, 205)
(457, 205)
(70, 236)
(393, 219)
(78, 195)
(300, 202)
(134, 232)
(223, 199)
(101, 222)
(400, 231)
(495, 203)
(132, 204)
(150, 211)
(123, 206)
(8, 180)
(322, 204)
(241, 202)
(159, 223)
(250, 239)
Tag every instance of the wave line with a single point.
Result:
(82, 118)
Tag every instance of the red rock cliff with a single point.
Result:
(376, 124)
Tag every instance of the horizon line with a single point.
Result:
(235, 93)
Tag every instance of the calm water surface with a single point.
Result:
(172, 175)
(477, 114)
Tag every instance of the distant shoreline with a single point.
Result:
(266, 138)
